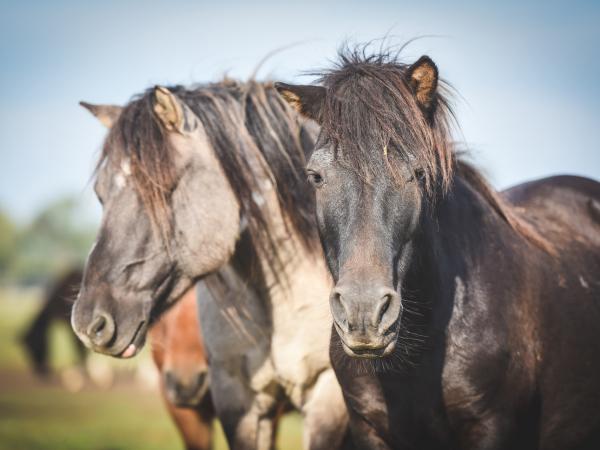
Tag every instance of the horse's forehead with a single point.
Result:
(322, 156)
(122, 173)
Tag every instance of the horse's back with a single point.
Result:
(563, 208)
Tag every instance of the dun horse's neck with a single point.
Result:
(295, 263)
(293, 299)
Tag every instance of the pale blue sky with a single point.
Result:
(528, 74)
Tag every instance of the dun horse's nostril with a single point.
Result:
(98, 325)
(101, 330)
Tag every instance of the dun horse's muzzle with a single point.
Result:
(100, 331)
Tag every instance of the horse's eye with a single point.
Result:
(314, 178)
(99, 197)
(419, 174)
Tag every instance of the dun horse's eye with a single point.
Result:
(314, 178)
(419, 174)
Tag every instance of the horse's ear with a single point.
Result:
(423, 79)
(306, 99)
(168, 109)
(106, 114)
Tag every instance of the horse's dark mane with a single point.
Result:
(374, 122)
(242, 120)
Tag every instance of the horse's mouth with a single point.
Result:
(159, 305)
(136, 343)
(369, 351)
(191, 399)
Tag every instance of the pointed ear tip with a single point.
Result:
(161, 89)
(279, 86)
(426, 59)
(88, 107)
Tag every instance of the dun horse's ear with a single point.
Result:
(306, 99)
(106, 114)
(423, 79)
(168, 109)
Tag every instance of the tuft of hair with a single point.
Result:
(242, 120)
(374, 120)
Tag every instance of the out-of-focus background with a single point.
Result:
(527, 73)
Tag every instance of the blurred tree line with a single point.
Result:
(57, 238)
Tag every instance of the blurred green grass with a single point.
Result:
(38, 415)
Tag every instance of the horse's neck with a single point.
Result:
(293, 300)
(458, 237)
(295, 266)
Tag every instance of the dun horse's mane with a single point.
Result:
(241, 120)
(375, 124)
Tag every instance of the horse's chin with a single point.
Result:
(370, 351)
(165, 296)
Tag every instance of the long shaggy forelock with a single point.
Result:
(138, 138)
(374, 121)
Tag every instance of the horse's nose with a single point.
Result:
(362, 308)
(101, 329)
(188, 392)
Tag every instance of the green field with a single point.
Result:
(37, 414)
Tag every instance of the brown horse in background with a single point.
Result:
(178, 352)
(58, 301)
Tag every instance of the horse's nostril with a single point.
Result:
(385, 304)
(98, 325)
(101, 330)
(201, 378)
(170, 381)
(338, 308)
(383, 313)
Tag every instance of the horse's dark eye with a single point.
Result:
(314, 178)
(419, 174)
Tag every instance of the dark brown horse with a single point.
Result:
(476, 314)
(178, 352)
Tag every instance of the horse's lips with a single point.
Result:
(136, 343)
(129, 352)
